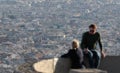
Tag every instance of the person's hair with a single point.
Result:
(75, 41)
(93, 26)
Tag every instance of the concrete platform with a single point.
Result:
(87, 71)
(111, 64)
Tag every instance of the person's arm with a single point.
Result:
(101, 49)
(83, 42)
(100, 43)
(67, 55)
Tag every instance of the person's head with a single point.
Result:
(92, 28)
(75, 44)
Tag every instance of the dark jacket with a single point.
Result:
(76, 59)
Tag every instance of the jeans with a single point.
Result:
(94, 58)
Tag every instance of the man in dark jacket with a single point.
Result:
(89, 43)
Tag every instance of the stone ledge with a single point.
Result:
(111, 64)
(86, 71)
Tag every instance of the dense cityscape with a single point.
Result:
(34, 29)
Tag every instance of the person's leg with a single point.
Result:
(96, 58)
(89, 55)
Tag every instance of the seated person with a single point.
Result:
(75, 54)
(89, 43)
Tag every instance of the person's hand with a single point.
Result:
(86, 50)
(103, 55)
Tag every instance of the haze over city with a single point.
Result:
(36, 29)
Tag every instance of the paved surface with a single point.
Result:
(111, 64)
(87, 71)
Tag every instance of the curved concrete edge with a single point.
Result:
(44, 66)
(55, 65)
(111, 64)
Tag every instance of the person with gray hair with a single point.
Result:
(75, 54)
